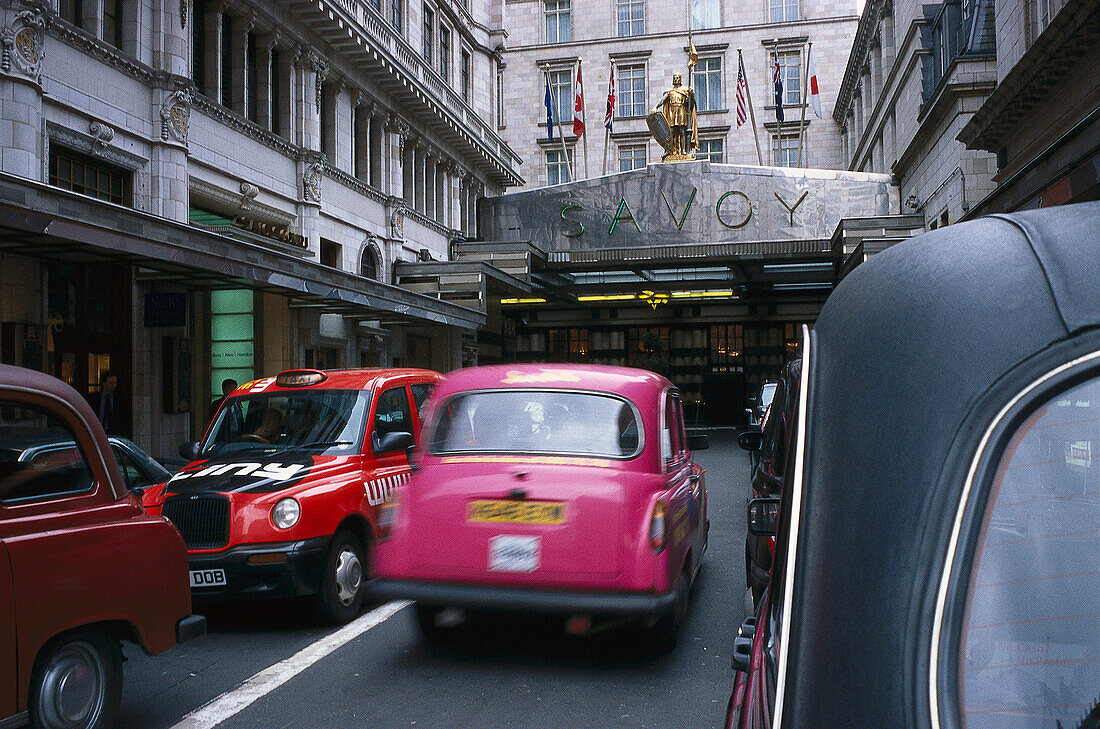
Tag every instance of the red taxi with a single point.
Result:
(82, 566)
(282, 494)
(558, 489)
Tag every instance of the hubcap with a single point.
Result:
(349, 576)
(73, 685)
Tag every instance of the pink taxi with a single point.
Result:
(559, 489)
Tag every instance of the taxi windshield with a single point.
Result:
(537, 421)
(320, 421)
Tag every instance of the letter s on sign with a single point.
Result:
(580, 225)
(718, 210)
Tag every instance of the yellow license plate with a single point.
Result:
(516, 512)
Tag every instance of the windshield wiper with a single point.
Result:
(315, 444)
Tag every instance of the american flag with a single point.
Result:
(742, 89)
(610, 115)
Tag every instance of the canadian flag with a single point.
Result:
(578, 107)
(815, 97)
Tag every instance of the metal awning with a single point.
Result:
(45, 222)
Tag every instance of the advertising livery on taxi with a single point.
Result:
(281, 496)
(558, 489)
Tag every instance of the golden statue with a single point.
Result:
(674, 122)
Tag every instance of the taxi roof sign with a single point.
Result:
(300, 378)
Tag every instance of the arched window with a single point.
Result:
(370, 265)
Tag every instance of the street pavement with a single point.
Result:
(271, 665)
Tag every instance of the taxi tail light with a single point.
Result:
(658, 527)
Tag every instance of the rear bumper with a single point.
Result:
(299, 574)
(525, 599)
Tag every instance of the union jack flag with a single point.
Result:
(610, 115)
(742, 89)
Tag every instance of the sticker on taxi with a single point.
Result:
(516, 512)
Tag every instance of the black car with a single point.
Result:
(768, 448)
(758, 405)
(937, 559)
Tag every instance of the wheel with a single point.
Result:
(77, 683)
(665, 632)
(341, 593)
(426, 623)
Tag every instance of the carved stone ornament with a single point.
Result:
(249, 192)
(24, 43)
(175, 116)
(397, 223)
(311, 182)
(101, 136)
(183, 14)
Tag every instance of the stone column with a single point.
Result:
(23, 43)
(889, 142)
(170, 37)
(865, 87)
(376, 142)
(463, 208)
(420, 172)
(312, 71)
(266, 79)
(431, 157)
(886, 33)
(240, 27)
(876, 70)
(168, 196)
(289, 89)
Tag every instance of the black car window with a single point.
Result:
(134, 476)
(1029, 646)
(39, 458)
(393, 414)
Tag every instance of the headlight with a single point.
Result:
(285, 513)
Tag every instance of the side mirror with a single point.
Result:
(751, 440)
(392, 442)
(698, 442)
(410, 455)
(189, 451)
(764, 516)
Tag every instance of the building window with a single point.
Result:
(397, 15)
(783, 11)
(557, 169)
(1042, 11)
(198, 46)
(785, 150)
(790, 70)
(501, 121)
(429, 23)
(705, 14)
(464, 76)
(369, 265)
(226, 71)
(273, 92)
(557, 21)
(330, 254)
(73, 12)
(631, 91)
(631, 15)
(112, 22)
(445, 53)
(631, 157)
(711, 149)
(89, 176)
(561, 91)
(708, 84)
(253, 75)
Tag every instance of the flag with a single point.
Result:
(578, 107)
(777, 82)
(610, 115)
(815, 97)
(742, 90)
(693, 55)
(549, 101)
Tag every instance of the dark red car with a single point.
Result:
(937, 557)
(82, 566)
(281, 498)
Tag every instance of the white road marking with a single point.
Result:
(274, 676)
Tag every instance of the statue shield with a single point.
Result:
(658, 127)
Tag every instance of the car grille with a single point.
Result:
(203, 521)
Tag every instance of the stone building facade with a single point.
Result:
(644, 44)
(199, 189)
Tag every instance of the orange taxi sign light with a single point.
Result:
(300, 378)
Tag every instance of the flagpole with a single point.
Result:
(584, 118)
(752, 114)
(805, 102)
(557, 115)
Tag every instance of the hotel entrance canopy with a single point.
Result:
(48, 223)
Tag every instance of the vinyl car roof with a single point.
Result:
(909, 359)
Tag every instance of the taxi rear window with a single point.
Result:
(1031, 634)
(537, 421)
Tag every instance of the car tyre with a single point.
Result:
(77, 682)
(342, 584)
(666, 631)
(426, 622)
